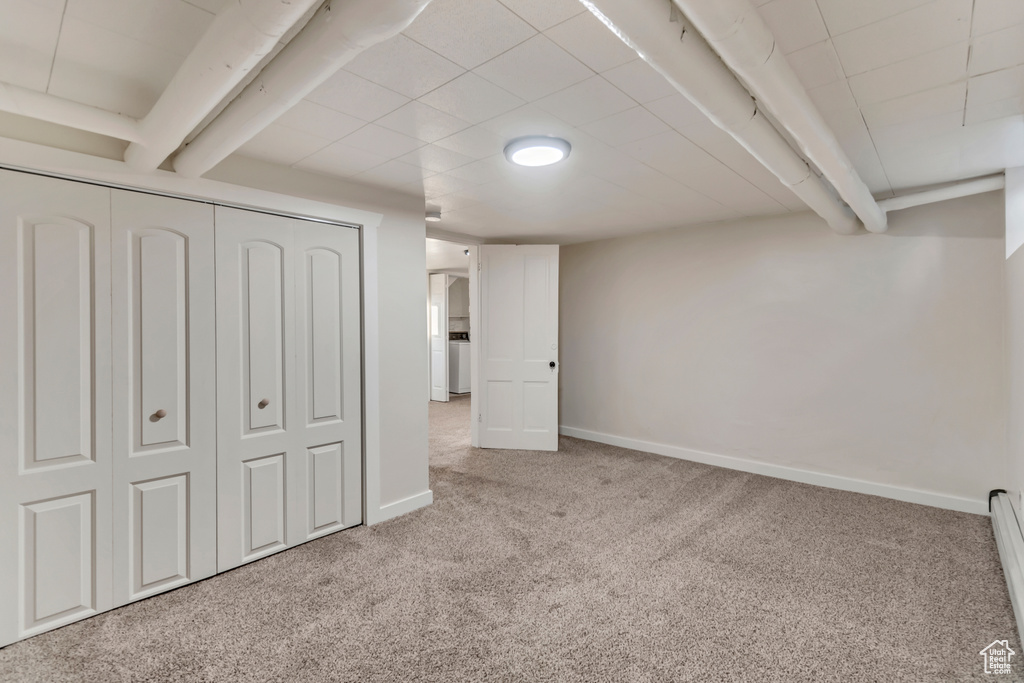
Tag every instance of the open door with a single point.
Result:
(517, 387)
(438, 337)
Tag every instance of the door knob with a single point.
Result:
(551, 364)
(263, 404)
(159, 414)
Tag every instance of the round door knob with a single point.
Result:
(263, 404)
(160, 413)
(551, 364)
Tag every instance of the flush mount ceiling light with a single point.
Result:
(433, 216)
(537, 150)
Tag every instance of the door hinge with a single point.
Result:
(479, 266)
(480, 417)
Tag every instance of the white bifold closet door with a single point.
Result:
(288, 373)
(55, 461)
(164, 397)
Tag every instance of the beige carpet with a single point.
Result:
(592, 564)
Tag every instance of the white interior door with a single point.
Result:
(438, 337)
(288, 400)
(518, 341)
(55, 462)
(165, 457)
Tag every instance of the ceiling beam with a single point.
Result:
(654, 29)
(963, 188)
(37, 105)
(735, 30)
(338, 32)
(239, 37)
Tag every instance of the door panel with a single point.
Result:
(264, 484)
(537, 300)
(500, 404)
(161, 312)
(164, 396)
(334, 479)
(59, 553)
(325, 486)
(55, 464)
(519, 347)
(262, 310)
(256, 471)
(159, 522)
(328, 351)
(324, 374)
(56, 291)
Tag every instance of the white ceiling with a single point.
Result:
(447, 256)
(917, 91)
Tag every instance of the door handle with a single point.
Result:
(263, 404)
(158, 415)
(551, 364)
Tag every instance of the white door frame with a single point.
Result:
(437, 291)
(471, 243)
(474, 349)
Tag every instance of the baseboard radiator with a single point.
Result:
(1010, 541)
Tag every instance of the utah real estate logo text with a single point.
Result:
(997, 657)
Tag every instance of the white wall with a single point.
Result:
(1014, 203)
(865, 362)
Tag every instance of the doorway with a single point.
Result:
(512, 339)
(449, 337)
(449, 343)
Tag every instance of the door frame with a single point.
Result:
(442, 324)
(475, 302)
(473, 244)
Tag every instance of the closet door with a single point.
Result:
(327, 412)
(165, 466)
(55, 460)
(289, 385)
(257, 472)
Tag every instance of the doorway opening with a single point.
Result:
(512, 339)
(449, 334)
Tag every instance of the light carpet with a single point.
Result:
(595, 563)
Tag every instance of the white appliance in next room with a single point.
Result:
(458, 367)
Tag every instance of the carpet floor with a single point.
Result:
(595, 563)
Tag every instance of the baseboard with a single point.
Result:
(832, 481)
(399, 508)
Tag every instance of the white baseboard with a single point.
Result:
(832, 481)
(399, 508)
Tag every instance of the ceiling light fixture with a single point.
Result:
(537, 150)
(433, 216)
